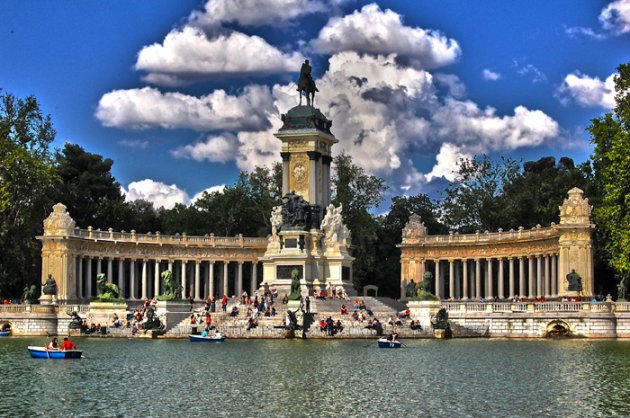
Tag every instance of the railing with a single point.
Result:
(502, 307)
(12, 308)
(511, 235)
(183, 239)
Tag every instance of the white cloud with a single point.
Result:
(447, 160)
(455, 86)
(575, 31)
(587, 91)
(255, 13)
(216, 149)
(188, 55)
(149, 108)
(616, 16)
(374, 31)
(134, 143)
(161, 194)
(536, 75)
(490, 75)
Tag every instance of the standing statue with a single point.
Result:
(575, 281)
(306, 84)
(333, 228)
(276, 220)
(50, 287)
(410, 288)
(296, 293)
(621, 290)
(29, 293)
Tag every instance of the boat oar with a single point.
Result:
(47, 352)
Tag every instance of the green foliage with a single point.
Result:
(610, 134)
(26, 182)
(359, 193)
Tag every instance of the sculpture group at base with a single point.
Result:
(421, 291)
(172, 290)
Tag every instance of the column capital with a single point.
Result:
(286, 156)
(313, 155)
(326, 159)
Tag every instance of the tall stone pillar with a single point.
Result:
(501, 286)
(225, 278)
(547, 278)
(540, 292)
(156, 279)
(404, 276)
(254, 279)
(211, 269)
(477, 278)
(438, 281)
(121, 277)
(89, 278)
(313, 157)
(451, 279)
(80, 278)
(145, 294)
(197, 281)
(521, 277)
(554, 275)
(98, 266)
(326, 160)
(239, 279)
(183, 278)
(110, 271)
(133, 292)
(511, 277)
(530, 265)
(286, 158)
(465, 279)
(489, 291)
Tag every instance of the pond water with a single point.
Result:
(341, 378)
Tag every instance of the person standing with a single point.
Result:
(224, 303)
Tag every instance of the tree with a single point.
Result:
(88, 188)
(27, 178)
(387, 275)
(610, 134)
(359, 193)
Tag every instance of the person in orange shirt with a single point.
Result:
(67, 344)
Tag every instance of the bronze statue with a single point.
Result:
(575, 281)
(621, 290)
(152, 322)
(423, 289)
(440, 320)
(306, 84)
(50, 287)
(296, 293)
(410, 289)
(171, 289)
(29, 293)
(107, 292)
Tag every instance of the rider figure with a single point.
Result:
(306, 82)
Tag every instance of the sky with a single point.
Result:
(183, 95)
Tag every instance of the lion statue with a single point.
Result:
(172, 291)
(423, 289)
(107, 292)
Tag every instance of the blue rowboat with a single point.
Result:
(385, 343)
(215, 338)
(5, 333)
(42, 352)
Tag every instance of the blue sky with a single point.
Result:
(184, 94)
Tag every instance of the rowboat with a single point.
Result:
(52, 353)
(214, 338)
(385, 343)
(6, 333)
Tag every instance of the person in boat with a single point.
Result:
(53, 345)
(204, 333)
(67, 344)
(392, 337)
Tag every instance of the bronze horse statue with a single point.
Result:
(306, 84)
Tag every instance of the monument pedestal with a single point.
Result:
(423, 311)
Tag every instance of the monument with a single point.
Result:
(303, 237)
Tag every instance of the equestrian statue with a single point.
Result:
(306, 84)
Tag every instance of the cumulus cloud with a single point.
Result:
(161, 194)
(447, 160)
(455, 86)
(616, 16)
(149, 108)
(587, 91)
(374, 31)
(188, 54)
(216, 149)
(490, 75)
(255, 13)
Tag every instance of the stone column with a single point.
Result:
(313, 157)
(465, 279)
(211, 279)
(501, 287)
(98, 266)
(404, 276)
(110, 272)
(197, 281)
(170, 266)
(489, 290)
(239, 279)
(437, 279)
(144, 280)
(88, 284)
(225, 278)
(80, 278)
(254, 282)
(132, 280)
(530, 265)
(451, 279)
(326, 160)
(547, 278)
(121, 278)
(540, 291)
(286, 157)
(521, 277)
(156, 279)
(477, 278)
(554, 276)
(183, 279)
(511, 277)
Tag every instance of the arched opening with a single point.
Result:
(370, 290)
(558, 328)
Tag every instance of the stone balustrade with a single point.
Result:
(501, 307)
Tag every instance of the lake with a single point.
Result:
(318, 378)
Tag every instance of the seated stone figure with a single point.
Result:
(50, 287)
(440, 320)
